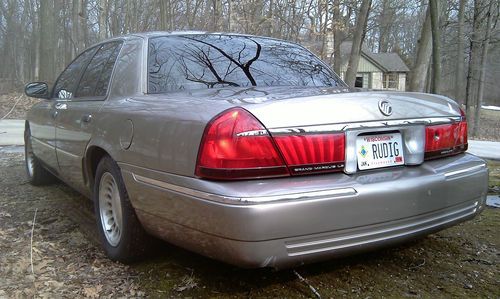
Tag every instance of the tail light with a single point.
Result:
(236, 145)
(312, 153)
(445, 140)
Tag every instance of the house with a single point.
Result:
(385, 71)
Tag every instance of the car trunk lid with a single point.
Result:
(352, 107)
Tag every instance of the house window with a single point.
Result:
(362, 80)
(391, 81)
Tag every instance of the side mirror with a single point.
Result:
(37, 90)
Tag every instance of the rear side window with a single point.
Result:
(66, 83)
(103, 83)
(95, 80)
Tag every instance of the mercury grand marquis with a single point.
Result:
(247, 149)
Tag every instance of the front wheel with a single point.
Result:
(121, 234)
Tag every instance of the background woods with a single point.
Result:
(451, 47)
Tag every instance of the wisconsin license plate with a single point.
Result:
(382, 150)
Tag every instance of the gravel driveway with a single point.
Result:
(66, 260)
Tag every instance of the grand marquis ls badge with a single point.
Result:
(385, 107)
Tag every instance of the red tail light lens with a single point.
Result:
(445, 140)
(440, 137)
(312, 153)
(236, 145)
(462, 134)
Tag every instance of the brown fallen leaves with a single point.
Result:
(66, 260)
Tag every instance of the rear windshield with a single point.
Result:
(209, 61)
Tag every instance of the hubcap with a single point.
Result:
(29, 157)
(110, 209)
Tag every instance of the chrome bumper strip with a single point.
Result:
(314, 195)
(463, 171)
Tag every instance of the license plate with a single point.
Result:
(382, 150)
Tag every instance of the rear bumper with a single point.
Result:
(285, 222)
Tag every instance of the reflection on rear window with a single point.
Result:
(207, 61)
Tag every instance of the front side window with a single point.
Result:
(67, 82)
(206, 61)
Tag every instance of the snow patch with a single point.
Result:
(491, 108)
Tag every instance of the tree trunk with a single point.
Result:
(324, 29)
(217, 14)
(337, 36)
(474, 60)
(384, 24)
(103, 9)
(436, 46)
(163, 15)
(460, 72)
(359, 34)
(75, 32)
(482, 72)
(84, 27)
(47, 45)
(419, 71)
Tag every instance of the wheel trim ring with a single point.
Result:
(110, 210)
(29, 157)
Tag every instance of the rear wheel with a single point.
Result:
(121, 234)
(37, 174)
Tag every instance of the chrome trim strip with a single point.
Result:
(42, 143)
(335, 128)
(253, 133)
(385, 237)
(315, 195)
(58, 150)
(465, 170)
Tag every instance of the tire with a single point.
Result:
(36, 173)
(122, 236)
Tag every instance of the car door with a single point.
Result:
(42, 129)
(74, 124)
(44, 114)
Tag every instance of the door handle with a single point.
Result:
(61, 106)
(87, 118)
(55, 113)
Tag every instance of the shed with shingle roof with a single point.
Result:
(376, 70)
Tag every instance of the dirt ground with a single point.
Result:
(59, 256)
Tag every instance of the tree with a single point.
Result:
(337, 36)
(418, 73)
(384, 24)
(350, 76)
(482, 72)
(103, 16)
(47, 44)
(474, 60)
(436, 46)
(460, 70)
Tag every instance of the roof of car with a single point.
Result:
(150, 34)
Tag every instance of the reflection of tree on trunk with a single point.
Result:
(245, 67)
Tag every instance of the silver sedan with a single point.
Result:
(249, 150)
